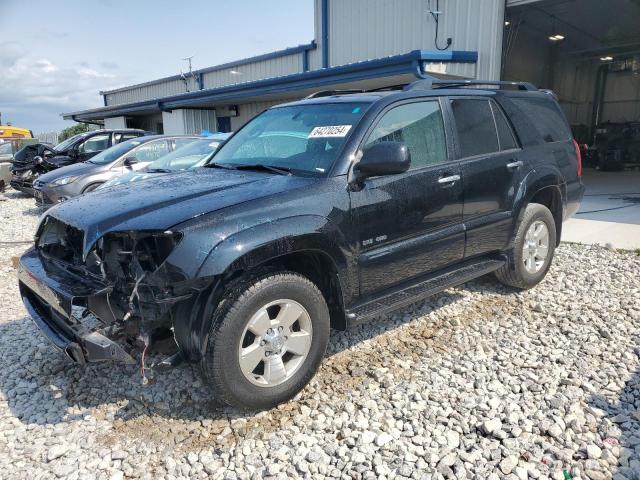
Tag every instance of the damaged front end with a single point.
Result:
(123, 280)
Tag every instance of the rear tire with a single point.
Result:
(267, 339)
(533, 249)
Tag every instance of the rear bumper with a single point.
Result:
(49, 295)
(575, 192)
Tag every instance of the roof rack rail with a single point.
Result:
(328, 93)
(429, 84)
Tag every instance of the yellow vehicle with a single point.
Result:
(9, 131)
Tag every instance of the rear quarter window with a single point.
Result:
(537, 120)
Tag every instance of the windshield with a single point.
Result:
(5, 148)
(186, 157)
(111, 154)
(67, 143)
(303, 138)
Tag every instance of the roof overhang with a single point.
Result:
(368, 74)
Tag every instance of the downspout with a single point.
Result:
(325, 33)
(104, 99)
(200, 80)
(598, 98)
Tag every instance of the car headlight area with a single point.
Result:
(63, 181)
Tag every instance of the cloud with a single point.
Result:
(40, 88)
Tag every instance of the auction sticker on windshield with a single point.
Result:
(330, 131)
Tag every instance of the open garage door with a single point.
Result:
(588, 53)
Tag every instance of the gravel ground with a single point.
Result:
(478, 382)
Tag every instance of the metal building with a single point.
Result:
(357, 44)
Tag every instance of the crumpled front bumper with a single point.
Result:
(22, 184)
(49, 293)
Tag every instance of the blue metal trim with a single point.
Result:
(325, 33)
(258, 58)
(104, 99)
(200, 81)
(461, 56)
(305, 61)
(408, 63)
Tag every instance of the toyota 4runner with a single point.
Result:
(319, 213)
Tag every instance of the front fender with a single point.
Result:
(250, 247)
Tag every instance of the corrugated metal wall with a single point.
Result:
(148, 92)
(573, 80)
(249, 110)
(367, 29)
(254, 71)
(195, 121)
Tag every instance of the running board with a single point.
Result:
(408, 293)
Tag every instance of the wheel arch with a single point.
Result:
(304, 244)
(546, 187)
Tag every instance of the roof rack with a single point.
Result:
(429, 84)
(328, 93)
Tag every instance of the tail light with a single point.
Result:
(579, 156)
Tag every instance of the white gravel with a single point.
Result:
(478, 382)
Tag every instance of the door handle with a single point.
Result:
(449, 179)
(514, 165)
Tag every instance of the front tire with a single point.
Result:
(266, 342)
(533, 249)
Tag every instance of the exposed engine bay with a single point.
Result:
(132, 292)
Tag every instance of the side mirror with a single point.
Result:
(384, 158)
(129, 161)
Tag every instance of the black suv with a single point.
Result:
(319, 213)
(34, 160)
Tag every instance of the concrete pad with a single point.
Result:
(593, 232)
(610, 211)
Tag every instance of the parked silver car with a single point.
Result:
(193, 155)
(135, 154)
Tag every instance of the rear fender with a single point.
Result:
(536, 180)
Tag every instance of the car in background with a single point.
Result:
(9, 131)
(195, 154)
(8, 148)
(35, 160)
(134, 154)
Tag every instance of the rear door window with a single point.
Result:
(123, 137)
(505, 134)
(419, 126)
(96, 143)
(475, 126)
(152, 151)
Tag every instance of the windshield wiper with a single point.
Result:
(158, 170)
(219, 165)
(261, 166)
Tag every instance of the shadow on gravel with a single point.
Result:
(622, 430)
(34, 211)
(42, 387)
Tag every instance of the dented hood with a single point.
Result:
(161, 203)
